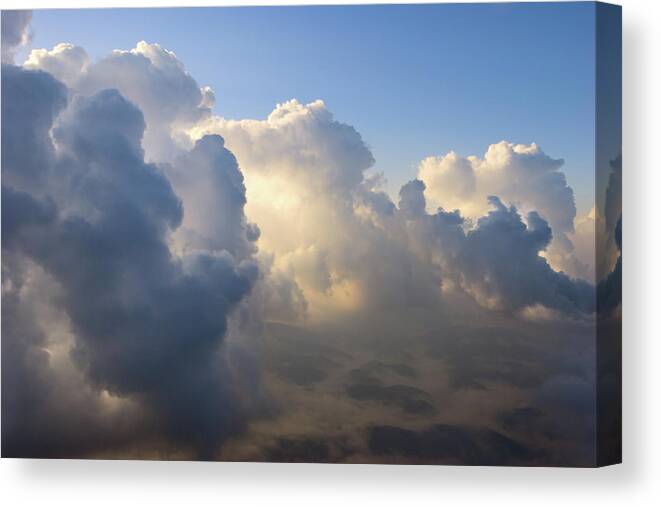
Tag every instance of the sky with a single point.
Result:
(415, 81)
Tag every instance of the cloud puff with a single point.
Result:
(15, 33)
(498, 260)
(147, 325)
(210, 184)
(502, 258)
(65, 62)
(520, 174)
(450, 180)
(302, 141)
(31, 102)
(151, 77)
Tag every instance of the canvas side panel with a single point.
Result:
(608, 230)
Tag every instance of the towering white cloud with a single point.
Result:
(151, 77)
(325, 223)
(304, 169)
(65, 62)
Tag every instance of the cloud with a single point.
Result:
(48, 407)
(412, 199)
(583, 240)
(316, 167)
(609, 289)
(65, 62)
(501, 260)
(208, 181)
(608, 217)
(450, 180)
(151, 77)
(608, 244)
(519, 174)
(203, 175)
(147, 325)
(303, 168)
(301, 140)
(498, 260)
(15, 32)
(30, 103)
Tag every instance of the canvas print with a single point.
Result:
(384, 234)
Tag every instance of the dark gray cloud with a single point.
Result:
(208, 181)
(497, 261)
(30, 103)
(147, 325)
(412, 199)
(504, 252)
(517, 173)
(613, 202)
(15, 32)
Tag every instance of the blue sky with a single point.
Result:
(413, 80)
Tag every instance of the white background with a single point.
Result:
(636, 482)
